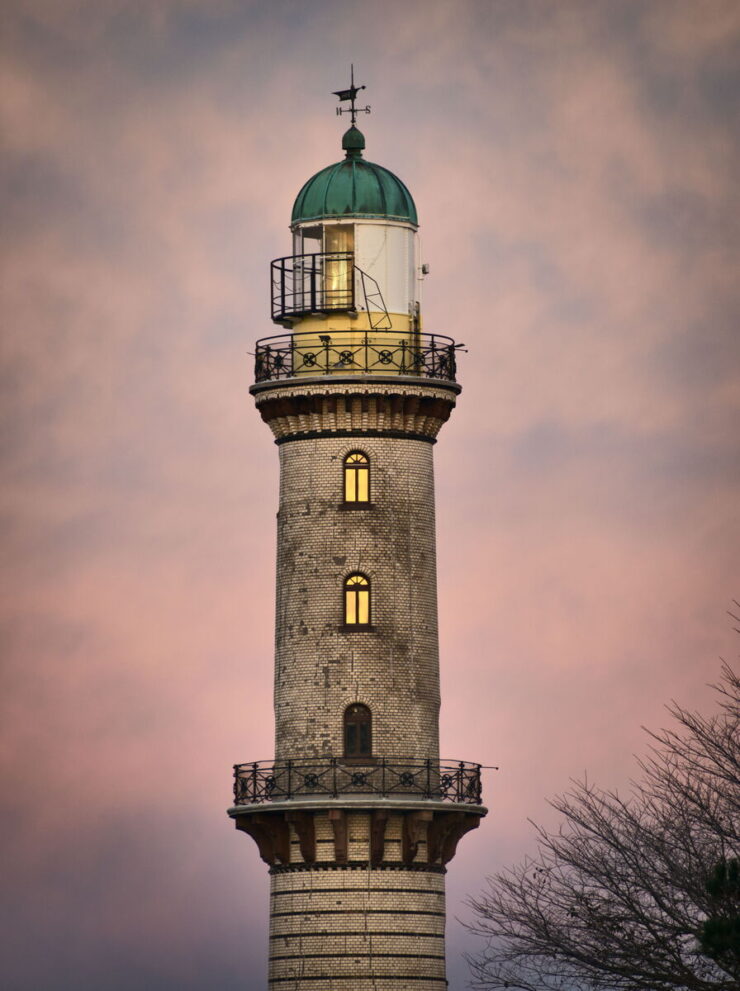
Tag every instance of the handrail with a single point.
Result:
(271, 781)
(385, 352)
(315, 282)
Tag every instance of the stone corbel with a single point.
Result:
(338, 820)
(415, 825)
(270, 833)
(378, 820)
(303, 823)
(446, 831)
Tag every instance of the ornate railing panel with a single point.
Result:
(275, 781)
(341, 352)
(321, 282)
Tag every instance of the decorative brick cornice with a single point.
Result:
(355, 407)
(356, 865)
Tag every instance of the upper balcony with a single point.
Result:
(285, 356)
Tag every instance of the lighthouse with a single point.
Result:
(357, 816)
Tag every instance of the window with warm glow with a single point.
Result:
(358, 735)
(339, 242)
(356, 477)
(357, 601)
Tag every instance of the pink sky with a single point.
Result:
(575, 168)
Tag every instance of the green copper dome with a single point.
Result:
(354, 188)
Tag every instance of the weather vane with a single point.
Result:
(350, 94)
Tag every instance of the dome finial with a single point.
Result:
(353, 141)
(350, 94)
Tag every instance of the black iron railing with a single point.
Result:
(274, 781)
(321, 282)
(341, 352)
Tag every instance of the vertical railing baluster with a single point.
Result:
(334, 776)
(327, 342)
(367, 353)
(289, 766)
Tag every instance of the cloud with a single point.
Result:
(574, 166)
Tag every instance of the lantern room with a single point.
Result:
(354, 262)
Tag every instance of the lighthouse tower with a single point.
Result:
(357, 815)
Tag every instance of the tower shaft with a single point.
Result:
(322, 665)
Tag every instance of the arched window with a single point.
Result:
(358, 731)
(356, 477)
(357, 601)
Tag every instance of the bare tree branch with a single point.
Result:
(620, 897)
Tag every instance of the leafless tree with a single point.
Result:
(622, 896)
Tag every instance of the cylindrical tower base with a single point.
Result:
(358, 927)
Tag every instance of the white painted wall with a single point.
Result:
(387, 252)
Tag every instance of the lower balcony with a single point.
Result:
(406, 778)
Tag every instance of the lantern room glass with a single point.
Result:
(338, 238)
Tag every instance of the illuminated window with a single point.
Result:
(356, 477)
(357, 601)
(358, 732)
